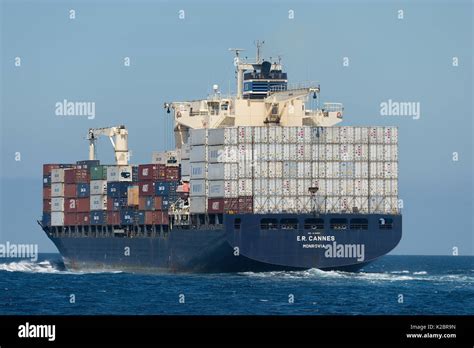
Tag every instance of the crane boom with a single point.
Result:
(120, 144)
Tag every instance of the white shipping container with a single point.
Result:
(57, 175)
(346, 135)
(112, 173)
(216, 188)
(361, 170)
(185, 168)
(261, 135)
(98, 202)
(185, 151)
(198, 153)
(230, 136)
(215, 171)
(57, 204)
(271, 152)
(159, 157)
(231, 189)
(231, 171)
(198, 187)
(230, 154)
(245, 152)
(246, 169)
(57, 190)
(292, 134)
(197, 205)
(198, 170)
(272, 134)
(198, 136)
(245, 187)
(215, 153)
(216, 136)
(245, 134)
(57, 218)
(124, 173)
(98, 187)
(346, 152)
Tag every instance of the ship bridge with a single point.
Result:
(263, 97)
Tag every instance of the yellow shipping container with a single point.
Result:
(132, 195)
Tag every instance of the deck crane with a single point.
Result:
(120, 144)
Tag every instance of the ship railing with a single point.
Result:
(313, 85)
(332, 107)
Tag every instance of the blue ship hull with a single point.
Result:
(238, 247)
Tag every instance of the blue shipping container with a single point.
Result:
(83, 190)
(117, 203)
(135, 173)
(162, 188)
(127, 217)
(46, 221)
(98, 217)
(117, 189)
(165, 203)
(149, 202)
(141, 217)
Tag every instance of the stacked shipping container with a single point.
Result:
(92, 194)
(270, 169)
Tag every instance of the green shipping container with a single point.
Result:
(99, 173)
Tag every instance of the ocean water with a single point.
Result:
(391, 285)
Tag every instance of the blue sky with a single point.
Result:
(179, 59)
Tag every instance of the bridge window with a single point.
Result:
(385, 224)
(314, 224)
(338, 224)
(359, 224)
(269, 224)
(237, 223)
(289, 224)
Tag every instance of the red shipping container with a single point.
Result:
(83, 205)
(231, 205)
(69, 176)
(73, 176)
(46, 205)
(70, 190)
(150, 218)
(142, 203)
(158, 202)
(146, 188)
(83, 218)
(70, 205)
(148, 172)
(70, 219)
(46, 192)
(82, 175)
(47, 168)
(215, 205)
(113, 218)
(172, 173)
(245, 204)
(161, 172)
(164, 219)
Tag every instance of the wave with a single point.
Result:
(403, 275)
(46, 267)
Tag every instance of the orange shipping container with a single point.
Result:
(132, 196)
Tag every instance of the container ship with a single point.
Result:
(262, 180)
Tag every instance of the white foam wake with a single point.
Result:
(403, 275)
(44, 267)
